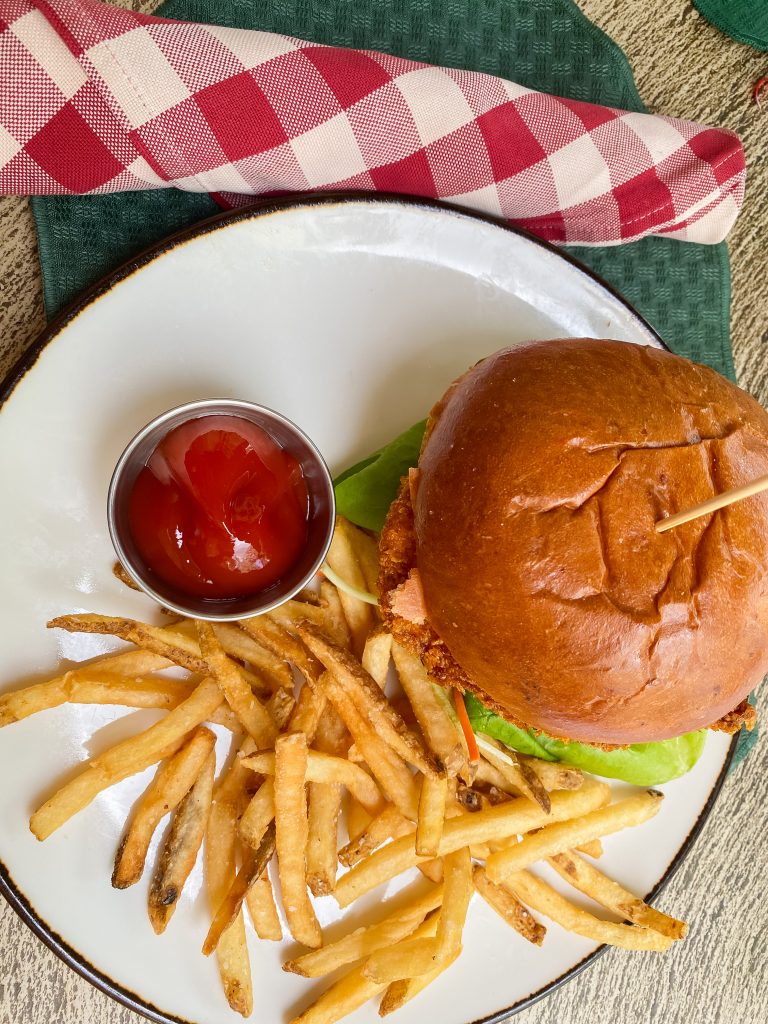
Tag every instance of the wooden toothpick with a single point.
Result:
(719, 501)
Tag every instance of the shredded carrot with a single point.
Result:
(469, 735)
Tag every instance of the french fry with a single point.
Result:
(173, 780)
(547, 901)
(553, 775)
(291, 612)
(126, 758)
(181, 847)
(325, 768)
(275, 671)
(377, 655)
(357, 818)
(280, 641)
(391, 773)
(280, 707)
(513, 818)
(324, 809)
(412, 957)
(254, 866)
(508, 906)
(487, 775)
(429, 827)
(343, 559)
(353, 678)
(231, 950)
(118, 571)
(172, 642)
(564, 835)
(80, 684)
(260, 900)
(258, 814)
(366, 548)
(352, 990)
(325, 806)
(308, 711)
(389, 824)
(519, 775)
(401, 992)
(253, 715)
(334, 624)
(292, 832)
(593, 883)
(594, 848)
(362, 942)
(438, 728)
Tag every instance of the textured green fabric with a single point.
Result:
(682, 289)
(743, 20)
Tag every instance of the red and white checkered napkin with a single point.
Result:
(98, 99)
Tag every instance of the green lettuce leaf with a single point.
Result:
(365, 491)
(643, 764)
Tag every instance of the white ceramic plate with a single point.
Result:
(350, 316)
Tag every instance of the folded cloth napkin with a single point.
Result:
(98, 99)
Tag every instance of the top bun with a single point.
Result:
(544, 471)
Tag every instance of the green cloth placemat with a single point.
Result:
(743, 20)
(683, 289)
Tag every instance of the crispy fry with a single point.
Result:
(366, 548)
(179, 852)
(308, 711)
(119, 572)
(173, 780)
(77, 685)
(327, 769)
(126, 758)
(401, 992)
(254, 866)
(412, 957)
(363, 942)
(487, 775)
(276, 638)
(390, 771)
(292, 832)
(546, 900)
(335, 624)
(260, 900)
(553, 775)
(258, 814)
(436, 725)
(343, 559)
(275, 671)
(593, 883)
(353, 678)
(325, 806)
(594, 848)
(291, 612)
(508, 906)
(253, 715)
(377, 655)
(172, 642)
(562, 836)
(389, 824)
(280, 707)
(231, 950)
(352, 990)
(513, 818)
(356, 817)
(429, 828)
(324, 810)
(521, 777)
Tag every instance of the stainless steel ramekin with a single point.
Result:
(322, 509)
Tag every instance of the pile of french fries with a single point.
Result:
(317, 740)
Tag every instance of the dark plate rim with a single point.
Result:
(8, 889)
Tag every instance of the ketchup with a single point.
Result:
(220, 510)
